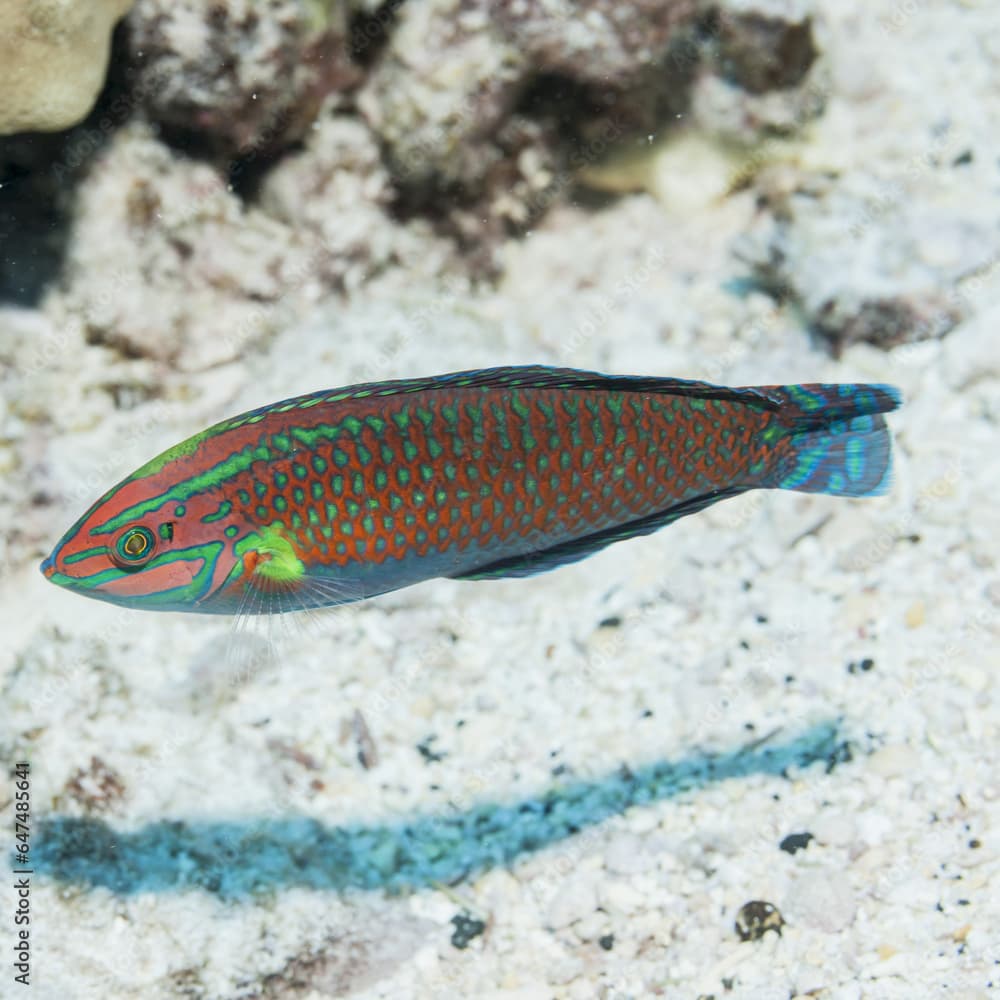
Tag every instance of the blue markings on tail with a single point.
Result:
(838, 441)
(850, 458)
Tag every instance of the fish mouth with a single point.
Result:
(49, 568)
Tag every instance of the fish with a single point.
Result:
(341, 495)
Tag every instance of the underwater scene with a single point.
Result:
(498, 499)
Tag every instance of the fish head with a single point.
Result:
(153, 543)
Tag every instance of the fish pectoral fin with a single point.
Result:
(268, 595)
(319, 591)
(562, 553)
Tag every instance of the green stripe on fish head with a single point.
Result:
(152, 542)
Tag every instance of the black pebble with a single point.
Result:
(795, 842)
(756, 918)
(429, 755)
(467, 927)
(607, 942)
(863, 665)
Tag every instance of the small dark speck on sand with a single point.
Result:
(97, 788)
(467, 927)
(367, 752)
(607, 942)
(840, 754)
(756, 918)
(430, 755)
(612, 621)
(795, 842)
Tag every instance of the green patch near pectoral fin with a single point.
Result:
(579, 548)
(275, 558)
(282, 582)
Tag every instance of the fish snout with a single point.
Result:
(48, 566)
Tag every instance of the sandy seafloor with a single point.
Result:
(613, 752)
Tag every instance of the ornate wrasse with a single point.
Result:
(344, 494)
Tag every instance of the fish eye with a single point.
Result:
(133, 548)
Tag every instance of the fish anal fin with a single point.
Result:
(563, 553)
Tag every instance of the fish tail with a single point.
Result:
(836, 440)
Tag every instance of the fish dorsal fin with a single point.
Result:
(543, 377)
(516, 377)
(580, 548)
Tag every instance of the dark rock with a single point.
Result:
(866, 259)
(467, 927)
(602, 42)
(756, 918)
(761, 51)
(241, 77)
(795, 842)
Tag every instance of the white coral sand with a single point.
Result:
(755, 622)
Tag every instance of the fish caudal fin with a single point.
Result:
(837, 440)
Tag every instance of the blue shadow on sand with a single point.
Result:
(242, 857)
